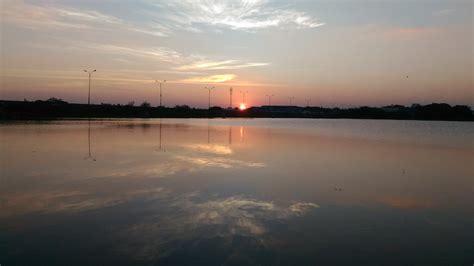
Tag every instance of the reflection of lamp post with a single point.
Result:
(161, 95)
(270, 98)
(209, 100)
(90, 74)
(160, 135)
(160, 146)
(89, 142)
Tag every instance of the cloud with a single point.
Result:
(443, 12)
(219, 162)
(249, 15)
(206, 65)
(189, 64)
(38, 17)
(35, 17)
(220, 65)
(63, 23)
(70, 200)
(191, 218)
(162, 19)
(210, 79)
(156, 53)
(151, 32)
(46, 17)
(302, 207)
(210, 148)
(92, 16)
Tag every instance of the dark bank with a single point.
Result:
(57, 108)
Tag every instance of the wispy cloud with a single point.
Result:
(187, 63)
(162, 19)
(443, 12)
(220, 65)
(36, 16)
(210, 79)
(154, 53)
(177, 63)
(248, 15)
(193, 217)
(302, 207)
(207, 65)
(78, 15)
(106, 75)
(63, 20)
(210, 148)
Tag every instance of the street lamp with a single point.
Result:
(243, 95)
(209, 102)
(90, 74)
(231, 90)
(291, 100)
(161, 95)
(270, 98)
(307, 102)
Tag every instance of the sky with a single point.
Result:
(327, 53)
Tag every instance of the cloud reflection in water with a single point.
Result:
(210, 148)
(193, 219)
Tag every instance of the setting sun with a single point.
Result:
(242, 106)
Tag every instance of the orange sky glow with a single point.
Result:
(329, 54)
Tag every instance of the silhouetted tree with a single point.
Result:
(56, 101)
(145, 104)
(184, 106)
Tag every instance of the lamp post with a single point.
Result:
(209, 99)
(89, 72)
(243, 95)
(307, 102)
(291, 100)
(231, 90)
(270, 99)
(161, 95)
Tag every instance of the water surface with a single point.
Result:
(237, 192)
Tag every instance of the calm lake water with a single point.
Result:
(237, 192)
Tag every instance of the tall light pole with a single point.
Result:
(291, 100)
(209, 102)
(243, 95)
(270, 98)
(90, 74)
(307, 102)
(161, 95)
(230, 100)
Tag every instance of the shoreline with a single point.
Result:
(49, 110)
